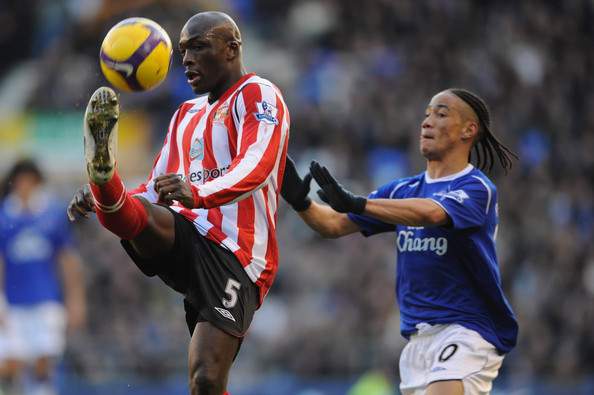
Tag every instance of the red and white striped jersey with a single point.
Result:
(233, 151)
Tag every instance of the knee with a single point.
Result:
(206, 380)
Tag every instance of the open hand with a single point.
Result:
(295, 190)
(82, 203)
(335, 194)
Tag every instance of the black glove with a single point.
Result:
(294, 189)
(334, 194)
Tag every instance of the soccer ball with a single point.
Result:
(136, 55)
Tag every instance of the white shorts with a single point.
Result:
(448, 352)
(28, 333)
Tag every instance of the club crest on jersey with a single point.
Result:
(266, 113)
(458, 195)
(197, 151)
(220, 114)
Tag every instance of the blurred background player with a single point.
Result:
(205, 221)
(453, 311)
(42, 282)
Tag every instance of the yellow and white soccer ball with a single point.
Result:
(136, 54)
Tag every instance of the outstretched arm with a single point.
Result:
(329, 223)
(408, 212)
(321, 218)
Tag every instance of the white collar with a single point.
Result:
(451, 177)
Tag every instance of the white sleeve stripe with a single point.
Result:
(396, 188)
(488, 191)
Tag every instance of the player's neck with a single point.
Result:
(233, 78)
(439, 169)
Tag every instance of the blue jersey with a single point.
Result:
(29, 244)
(449, 274)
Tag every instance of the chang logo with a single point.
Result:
(29, 246)
(406, 242)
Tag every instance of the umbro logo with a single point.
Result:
(225, 313)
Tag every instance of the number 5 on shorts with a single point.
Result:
(231, 290)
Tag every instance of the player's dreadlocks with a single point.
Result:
(488, 145)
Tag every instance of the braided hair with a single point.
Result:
(487, 145)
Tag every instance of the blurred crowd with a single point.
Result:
(357, 77)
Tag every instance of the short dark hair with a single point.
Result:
(487, 145)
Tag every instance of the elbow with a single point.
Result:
(331, 231)
(437, 217)
(329, 234)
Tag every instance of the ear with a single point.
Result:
(470, 130)
(233, 48)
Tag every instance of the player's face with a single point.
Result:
(25, 185)
(442, 127)
(204, 55)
